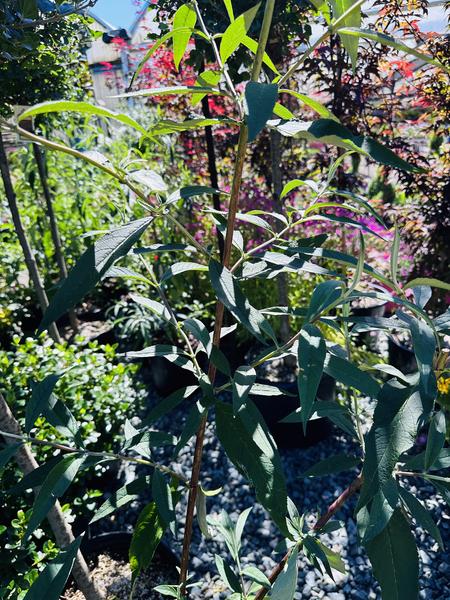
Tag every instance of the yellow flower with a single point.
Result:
(443, 385)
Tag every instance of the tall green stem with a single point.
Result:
(232, 210)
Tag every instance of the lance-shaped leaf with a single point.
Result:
(332, 464)
(388, 40)
(350, 375)
(393, 554)
(92, 266)
(53, 487)
(179, 90)
(227, 574)
(170, 353)
(230, 294)
(190, 191)
(254, 457)
(381, 510)
(424, 344)
(260, 100)
(121, 497)
(323, 297)
(396, 420)
(167, 126)
(147, 534)
(352, 20)
(317, 106)
(162, 495)
(329, 131)
(243, 381)
(7, 453)
(40, 395)
(417, 461)
(421, 515)
(285, 585)
(311, 358)
(436, 439)
(168, 404)
(236, 32)
(204, 81)
(52, 579)
(184, 18)
(256, 575)
(80, 107)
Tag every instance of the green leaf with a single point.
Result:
(421, 515)
(396, 420)
(227, 574)
(147, 534)
(79, 107)
(170, 353)
(178, 90)
(388, 40)
(158, 43)
(236, 32)
(437, 283)
(436, 439)
(206, 80)
(53, 487)
(151, 180)
(153, 306)
(92, 266)
(229, 7)
(168, 126)
(285, 585)
(332, 464)
(253, 455)
(185, 17)
(417, 462)
(181, 267)
(311, 358)
(200, 505)
(424, 343)
(58, 415)
(352, 20)
(40, 396)
(323, 297)
(350, 375)
(121, 497)
(168, 590)
(256, 575)
(317, 106)
(162, 495)
(381, 509)
(168, 404)
(230, 294)
(7, 453)
(260, 100)
(323, 7)
(191, 191)
(243, 381)
(329, 131)
(52, 579)
(394, 559)
(200, 332)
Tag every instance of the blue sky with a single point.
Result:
(120, 13)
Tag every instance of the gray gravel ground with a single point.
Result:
(261, 537)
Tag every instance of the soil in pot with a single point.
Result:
(107, 556)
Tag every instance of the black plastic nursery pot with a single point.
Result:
(290, 435)
(401, 357)
(165, 376)
(378, 310)
(117, 544)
